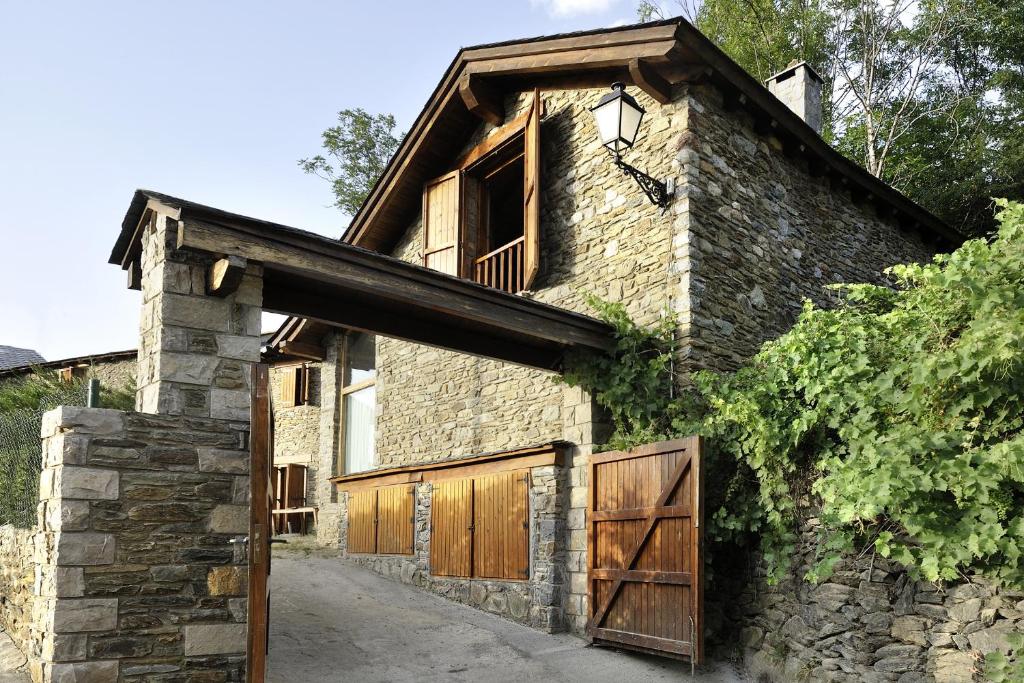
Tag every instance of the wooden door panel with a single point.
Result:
(451, 508)
(362, 521)
(395, 510)
(644, 544)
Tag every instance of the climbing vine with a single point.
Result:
(898, 413)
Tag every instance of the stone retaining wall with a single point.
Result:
(137, 580)
(869, 623)
(536, 602)
(17, 576)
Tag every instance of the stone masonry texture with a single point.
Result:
(868, 622)
(17, 577)
(194, 350)
(297, 428)
(749, 234)
(136, 578)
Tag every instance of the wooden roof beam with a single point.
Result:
(650, 81)
(481, 99)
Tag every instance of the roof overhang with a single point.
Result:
(324, 280)
(651, 56)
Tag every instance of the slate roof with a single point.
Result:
(14, 357)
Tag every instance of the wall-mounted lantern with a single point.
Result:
(618, 118)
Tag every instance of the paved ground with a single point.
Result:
(334, 621)
(12, 662)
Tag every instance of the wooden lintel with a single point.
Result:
(482, 99)
(302, 350)
(650, 81)
(225, 275)
(314, 277)
(535, 456)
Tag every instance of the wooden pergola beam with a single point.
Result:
(321, 279)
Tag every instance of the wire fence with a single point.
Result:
(21, 449)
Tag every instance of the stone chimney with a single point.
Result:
(799, 88)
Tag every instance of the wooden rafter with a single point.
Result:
(650, 81)
(482, 99)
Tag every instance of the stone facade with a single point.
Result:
(870, 623)
(194, 349)
(536, 602)
(136, 578)
(297, 428)
(17, 577)
(761, 234)
(749, 234)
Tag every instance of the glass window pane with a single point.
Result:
(360, 358)
(360, 422)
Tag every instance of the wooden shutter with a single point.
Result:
(450, 536)
(287, 395)
(531, 192)
(395, 520)
(362, 521)
(442, 223)
(501, 527)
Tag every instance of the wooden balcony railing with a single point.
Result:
(503, 267)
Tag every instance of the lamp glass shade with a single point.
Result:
(618, 119)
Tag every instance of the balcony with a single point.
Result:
(502, 268)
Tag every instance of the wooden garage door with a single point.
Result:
(395, 519)
(501, 526)
(451, 526)
(644, 548)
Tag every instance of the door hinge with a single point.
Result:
(471, 527)
(526, 524)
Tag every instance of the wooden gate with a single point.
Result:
(261, 450)
(644, 549)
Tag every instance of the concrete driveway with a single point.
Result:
(334, 621)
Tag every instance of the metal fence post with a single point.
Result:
(93, 398)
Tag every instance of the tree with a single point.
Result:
(355, 154)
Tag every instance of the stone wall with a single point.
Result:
(115, 374)
(17, 577)
(195, 350)
(136, 579)
(536, 602)
(870, 623)
(762, 234)
(297, 428)
(599, 234)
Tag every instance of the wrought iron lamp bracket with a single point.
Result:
(656, 190)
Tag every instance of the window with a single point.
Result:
(294, 386)
(480, 528)
(359, 402)
(381, 520)
(482, 220)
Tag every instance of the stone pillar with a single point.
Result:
(136, 577)
(194, 349)
(329, 531)
(582, 426)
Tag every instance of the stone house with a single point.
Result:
(420, 362)
(762, 215)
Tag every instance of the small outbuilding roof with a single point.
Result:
(14, 357)
(77, 361)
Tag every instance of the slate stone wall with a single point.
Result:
(536, 602)
(870, 622)
(17, 576)
(762, 233)
(136, 579)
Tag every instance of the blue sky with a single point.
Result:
(211, 101)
